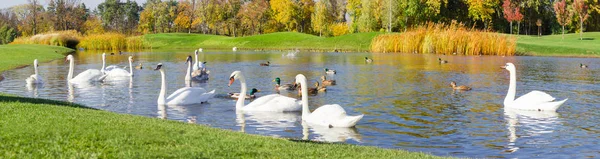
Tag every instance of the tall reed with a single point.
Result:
(446, 39)
(67, 38)
(111, 41)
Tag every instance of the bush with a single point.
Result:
(7, 34)
(111, 41)
(68, 38)
(339, 29)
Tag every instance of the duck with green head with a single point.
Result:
(279, 86)
(329, 71)
(250, 96)
(582, 65)
(442, 61)
(368, 60)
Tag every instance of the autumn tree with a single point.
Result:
(92, 25)
(284, 12)
(253, 15)
(509, 13)
(322, 16)
(184, 17)
(354, 8)
(306, 10)
(581, 9)
(563, 15)
(482, 10)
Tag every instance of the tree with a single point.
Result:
(354, 8)
(33, 7)
(539, 24)
(184, 17)
(563, 15)
(253, 15)
(509, 14)
(482, 10)
(92, 25)
(306, 9)
(518, 18)
(581, 9)
(284, 12)
(322, 16)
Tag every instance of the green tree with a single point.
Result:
(482, 10)
(322, 16)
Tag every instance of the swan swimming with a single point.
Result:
(269, 103)
(331, 115)
(34, 79)
(89, 75)
(182, 96)
(198, 75)
(119, 72)
(534, 100)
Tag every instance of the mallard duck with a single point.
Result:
(265, 64)
(326, 82)
(314, 90)
(329, 71)
(368, 60)
(582, 65)
(279, 86)
(463, 88)
(250, 96)
(442, 61)
(139, 66)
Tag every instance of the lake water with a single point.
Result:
(406, 98)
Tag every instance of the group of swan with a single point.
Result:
(328, 115)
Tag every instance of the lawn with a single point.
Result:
(39, 128)
(554, 45)
(272, 41)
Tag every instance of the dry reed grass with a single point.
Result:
(446, 39)
(111, 41)
(67, 38)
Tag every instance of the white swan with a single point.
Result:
(534, 100)
(119, 72)
(196, 64)
(234, 48)
(90, 75)
(35, 78)
(270, 103)
(331, 115)
(183, 96)
(109, 68)
(198, 75)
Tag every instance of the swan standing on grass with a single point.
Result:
(534, 100)
(119, 72)
(35, 79)
(90, 75)
(269, 103)
(183, 96)
(332, 115)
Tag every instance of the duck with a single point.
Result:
(89, 75)
(330, 115)
(265, 64)
(280, 87)
(582, 65)
(139, 66)
(326, 82)
(442, 61)
(534, 100)
(35, 78)
(313, 90)
(182, 96)
(462, 87)
(250, 96)
(329, 71)
(368, 60)
(268, 103)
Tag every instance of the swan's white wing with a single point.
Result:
(274, 103)
(534, 98)
(89, 75)
(333, 115)
(111, 68)
(117, 72)
(34, 79)
(189, 95)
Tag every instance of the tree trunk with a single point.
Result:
(518, 27)
(581, 29)
(563, 32)
(511, 28)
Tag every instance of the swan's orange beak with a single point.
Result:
(231, 80)
(503, 67)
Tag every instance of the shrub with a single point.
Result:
(67, 38)
(111, 41)
(338, 29)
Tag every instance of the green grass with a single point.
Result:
(17, 55)
(39, 128)
(273, 41)
(554, 45)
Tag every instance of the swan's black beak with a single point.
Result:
(189, 59)
(158, 66)
(231, 80)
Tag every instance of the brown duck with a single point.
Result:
(462, 87)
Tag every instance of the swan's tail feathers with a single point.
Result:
(555, 105)
(209, 95)
(102, 77)
(349, 121)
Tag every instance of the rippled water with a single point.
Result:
(406, 99)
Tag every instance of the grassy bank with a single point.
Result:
(38, 128)
(16, 55)
(273, 41)
(554, 45)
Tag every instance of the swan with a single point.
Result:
(332, 115)
(105, 69)
(182, 96)
(90, 75)
(35, 78)
(198, 75)
(234, 48)
(534, 100)
(270, 103)
(119, 72)
(196, 64)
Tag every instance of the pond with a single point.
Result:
(406, 99)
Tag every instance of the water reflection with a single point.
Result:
(530, 124)
(330, 134)
(267, 121)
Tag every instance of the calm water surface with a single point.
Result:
(406, 99)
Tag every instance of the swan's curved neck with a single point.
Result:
(512, 88)
(71, 67)
(103, 63)
(304, 88)
(163, 88)
(188, 74)
(196, 59)
(130, 68)
(240, 102)
(35, 69)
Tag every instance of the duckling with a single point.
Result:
(279, 86)
(368, 60)
(320, 88)
(462, 87)
(329, 71)
(582, 65)
(442, 61)
(248, 96)
(265, 64)
(139, 66)
(327, 82)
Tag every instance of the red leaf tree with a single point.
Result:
(581, 9)
(563, 15)
(512, 13)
